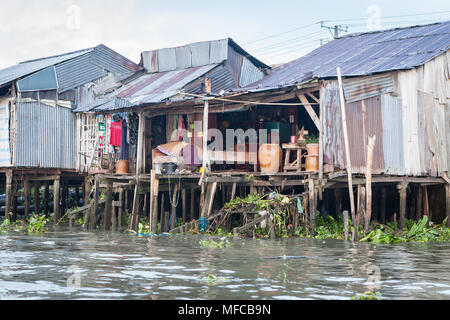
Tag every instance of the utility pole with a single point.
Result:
(335, 29)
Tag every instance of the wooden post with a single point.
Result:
(14, 205)
(345, 214)
(173, 216)
(211, 198)
(8, 195)
(383, 205)
(205, 127)
(26, 196)
(233, 191)
(155, 189)
(56, 187)
(93, 212)
(134, 222)
(447, 201)
(166, 221)
(321, 120)
(163, 212)
(63, 198)
(426, 208)
(338, 201)
(77, 196)
(369, 163)
(183, 198)
(360, 203)
(419, 206)
(402, 191)
(347, 153)
(120, 210)
(108, 213)
(46, 197)
(192, 205)
(312, 207)
(36, 196)
(86, 190)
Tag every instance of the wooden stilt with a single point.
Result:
(447, 201)
(338, 201)
(233, 191)
(77, 196)
(426, 208)
(46, 197)
(419, 206)
(108, 213)
(183, 199)
(36, 199)
(93, 212)
(86, 190)
(135, 212)
(369, 162)
(173, 217)
(63, 198)
(155, 189)
(163, 212)
(14, 205)
(402, 191)
(56, 187)
(120, 210)
(166, 221)
(192, 203)
(8, 195)
(345, 214)
(383, 205)
(26, 196)
(358, 203)
(312, 207)
(211, 199)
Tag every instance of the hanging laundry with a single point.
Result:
(124, 148)
(115, 133)
(181, 127)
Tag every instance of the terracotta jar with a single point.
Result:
(312, 149)
(311, 163)
(122, 167)
(269, 158)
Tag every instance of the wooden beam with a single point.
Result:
(347, 153)
(310, 110)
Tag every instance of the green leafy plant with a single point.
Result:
(37, 223)
(209, 243)
(367, 296)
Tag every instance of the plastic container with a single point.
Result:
(269, 158)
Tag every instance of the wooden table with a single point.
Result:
(297, 163)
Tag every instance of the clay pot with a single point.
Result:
(311, 163)
(122, 167)
(269, 157)
(312, 149)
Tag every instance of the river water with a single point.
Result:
(65, 264)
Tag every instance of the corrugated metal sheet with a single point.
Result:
(360, 88)
(45, 136)
(5, 152)
(363, 54)
(76, 72)
(249, 73)
(27, 67)
(149, 88)
(195, 55)
(41, 80)
(221, 79)
(364, 119)
(391, 110)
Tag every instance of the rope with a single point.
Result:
(178, 192)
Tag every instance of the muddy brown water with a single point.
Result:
(72, 264)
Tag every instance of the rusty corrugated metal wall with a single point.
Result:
(45, 136)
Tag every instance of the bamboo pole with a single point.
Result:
(369, 163)
(347, 154)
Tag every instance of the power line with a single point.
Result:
(281, 33)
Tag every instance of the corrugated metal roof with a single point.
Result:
(362, 54)
(27, 67)
(77, 68)
(149, 88)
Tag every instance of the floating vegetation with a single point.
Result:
(369, 295)
(209, 243)
(213, 280)
(34, 224)
(414, 232)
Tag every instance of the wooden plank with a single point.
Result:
(347, 154)
(310, 110)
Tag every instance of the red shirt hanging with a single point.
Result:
(115, 133)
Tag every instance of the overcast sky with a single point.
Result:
(274, 31)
